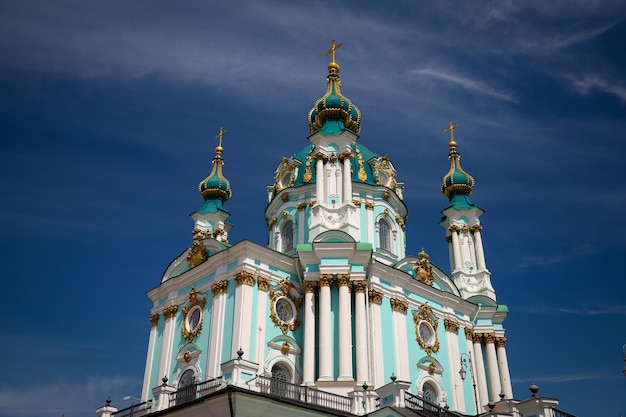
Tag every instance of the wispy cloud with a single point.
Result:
(586, 84)
(602, 310)
(54, 398)
(555, 258)
(466, 83)
(562, 378)
(548, 42)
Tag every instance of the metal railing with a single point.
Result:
(286, 390)
(194, 391)
(135, 410)
(425, 408)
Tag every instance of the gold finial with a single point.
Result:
(333, 47)
(451, 130)
(220, 136)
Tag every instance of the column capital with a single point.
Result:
(359, 286)
(326, 280)
(346, 155)
(263, 283)
(469, 334)
(399, 305)
(343, 280)
(451, 326)
(489, 337)
(154, 320)
(376, 297)
(500, 342)
(476, 228)
(477, 338)
(320, 157)
(369, 206)
(244, 278)
(170, 312)
(357, 203)
(454, 228)
(219, 287)
(310, 286)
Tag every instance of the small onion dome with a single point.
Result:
(334, 106)
(216, 186)
(456, 181)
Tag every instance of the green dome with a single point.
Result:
(456, 182)
(334, 106)
(216, 186)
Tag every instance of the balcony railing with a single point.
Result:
(282, 389)
(194, 391)
(135, 410)
(425, 408)
(561, 413)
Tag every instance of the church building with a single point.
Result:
(331, 317)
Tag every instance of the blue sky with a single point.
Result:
(108, 113)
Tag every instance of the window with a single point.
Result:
(281, 376)
(429, 393)
(286, 236)
(186, 387)
(384, 235)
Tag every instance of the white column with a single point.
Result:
(377, 366)
(217, 329)
(242, 313)
(399, 308)
(154, 320)
(325, 357)
(503, 366)
(492, 367)
(360, 324)
(347, 177)
(345, 328)
(469, 336)
(308, 360)
(478, 244)
(456, 248)
(454, 357)
(263, 285)
(166, 341)
(320, 177)
(481, 377)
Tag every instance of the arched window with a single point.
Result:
(281, 378)
(429, 393)
(286, 236)
(186, 387)
(384, 235)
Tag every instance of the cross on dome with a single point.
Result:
(333, 47)
(451, 130)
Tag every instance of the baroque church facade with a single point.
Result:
(332, 316)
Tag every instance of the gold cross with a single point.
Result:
(221, 135)
(451, 130)
(333, 47)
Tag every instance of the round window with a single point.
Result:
(285, 310)
(426, 333)
(193, 318)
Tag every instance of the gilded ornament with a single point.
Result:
(312, 203)
(326, 280)
(272, 223)
(465, 229)
(346, 155)
(285, 292)
(386, 213)
(425, 318)
(189, 329)
(187, 356)
(333, 158)
(244, 278)
(451, 326)
(285, 174)
(431, 368)
(197, 254)
(477, 338)
(285, 197)
(284, 349)
(489, 337)
(310, 286)
(308, 174)
(154, 320)
(362, 175)
(369, 205)
(448, 238)
(343, 280)
(357, 203)
(301, 206)
(285, 214)
(423, 269)
(219, 287)
(375, 297)
(500, 342)
(170, 312)
(359, 286)
(469, 334)
(476, 228)
(399, 305)
(321, 157)
(263, 283)
(454, 228)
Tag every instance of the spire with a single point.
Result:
(334, 107)
(216, 186)
(457, 184)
